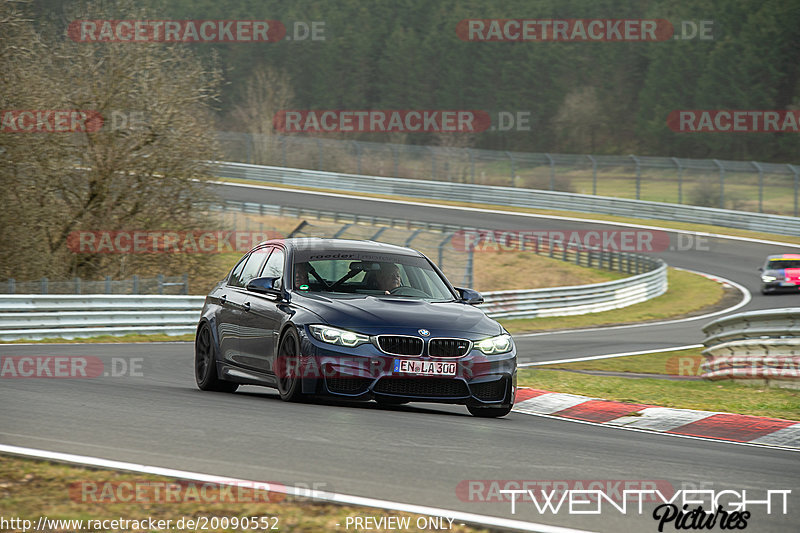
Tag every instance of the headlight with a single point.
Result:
(493, 345)
(339, 337)
(767, 279)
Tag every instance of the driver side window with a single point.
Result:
(250, 269)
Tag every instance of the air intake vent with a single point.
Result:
(448, 347)
(400, 344)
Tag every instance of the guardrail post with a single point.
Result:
(594, 174)
(760, 186)
(108, 284)
(135, 284)
(44, 286)
(552, 172)
(638, 176)
(721, 183)
(12, 286)
(185, 283)
(513, 170)
(412, 237)
(77, 285)
(161, 284)
(796, 185)
(680, 179)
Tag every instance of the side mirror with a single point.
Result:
(468, 296)
(265, 286)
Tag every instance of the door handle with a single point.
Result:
(246, 306)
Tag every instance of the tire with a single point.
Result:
(205, 363)
(290, 385)
(488, 412)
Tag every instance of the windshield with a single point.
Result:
(344, 273)
(780, 264)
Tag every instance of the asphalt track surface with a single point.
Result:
(414, 454)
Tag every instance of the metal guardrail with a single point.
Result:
(135, 285)
(755, 186)
(510, 196)
(33, 316)
(578, 300)
(756, 345)
(67, 316)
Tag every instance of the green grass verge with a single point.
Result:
(32, 488)
(677, 363)
(687, 293)
(725, 396)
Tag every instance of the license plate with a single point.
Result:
(428, 368)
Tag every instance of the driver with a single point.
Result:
(300, 274)
(389, 278)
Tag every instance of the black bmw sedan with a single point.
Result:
(352, 319)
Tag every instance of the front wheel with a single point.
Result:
(205, 364)
(290, 385)
(488, 412)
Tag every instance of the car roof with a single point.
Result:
(341, 245)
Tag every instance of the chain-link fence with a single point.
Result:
(741, 185)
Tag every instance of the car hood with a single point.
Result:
(372, 316)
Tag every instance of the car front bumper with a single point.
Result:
(365, 372)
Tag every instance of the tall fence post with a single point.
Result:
(513, 169)
(442, 244)
(468, 268)
(552, 172)
(721, 183)
(393, 148)
(160, 284)
(358, 156)
(12, 286)
(760, 186)
(319, 154)
(135, 284)
(471, 165)
(680, 179)
(283, 151)
(796, 185)
(108, 284)
(185, 283)
(638, 177)
(44, 286)
(594, 174)
(77, 285)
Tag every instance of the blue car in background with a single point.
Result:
(353, 319)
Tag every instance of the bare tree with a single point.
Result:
(143, 169)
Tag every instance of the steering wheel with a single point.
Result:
(405, 290)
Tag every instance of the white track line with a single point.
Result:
(503, 212)
(294, 491)
(611, 355)
(746, 297)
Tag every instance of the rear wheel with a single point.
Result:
(205, 364)
(488, 412)
(289, 383)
